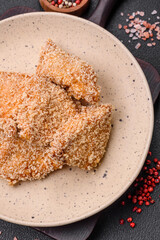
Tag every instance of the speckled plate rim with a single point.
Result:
(145, 152)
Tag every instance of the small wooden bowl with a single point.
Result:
(77, 10)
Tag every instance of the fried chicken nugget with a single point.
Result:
(82, 140)
(69, 71)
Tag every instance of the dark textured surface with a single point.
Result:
(147, 223)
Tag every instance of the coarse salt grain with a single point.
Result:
(119, 26)
(149, 44)
(138, 45)
(154, 12)
(15, 238)
(122, 14)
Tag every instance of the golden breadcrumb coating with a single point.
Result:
(82, 140)
(68, 71)
(31, 110)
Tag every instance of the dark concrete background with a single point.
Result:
(108, 228)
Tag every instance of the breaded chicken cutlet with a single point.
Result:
(31, 110)
(64, 69)
(43, 125)
(82, 140)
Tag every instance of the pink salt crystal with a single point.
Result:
(127, 31)
(122, 13)
(138, 45)
(149, 44)
(0, 232)
(130, 24)
(141, 14)
(133, 30)
(134, 38)
(153, 43)
(119, 26)
(136, 20)
(131, 35)
(154, 12)
(137, 26)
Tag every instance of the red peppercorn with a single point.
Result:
(156, 174)
(157, 180)
(149, 182)
(154, 169)
(136, 184)
(134, 209)
(77, 2)
(129, 196)
(149, 153)
(140, 202)
(147, 195)
(141, 179)
(134, 200)
(132, 224)
(129, 219)
(145, 190)
(158, 166)
(139, 210)
(158, 162)
(145, 168)
(149, 198)
(150, 171)
(150, 189)
(148, 162)
(145, 186)
(147, 203)
(155, 160)
(121, 221)
(152, 180)
(123, 203)
(139, 192)
(153, 184)
(60, 1)
(140, 198)
(159, 177)
(152, 201)
(53, 3)
(145, 199)
(143, 194)
(149, 177)
(137, 180)
(145, 181)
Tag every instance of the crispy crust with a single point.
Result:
(33, 109)
(68, 71)
(82, 140)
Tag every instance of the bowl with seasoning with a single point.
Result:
(74, 7)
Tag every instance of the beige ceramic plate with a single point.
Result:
(69, 195)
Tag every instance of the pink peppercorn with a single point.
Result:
(134, 200)
(139, 210)
(129, 196)
(147, 203)
(134, 209)
(129, 219)
(155, 160)
(140, 202)
(156, 180)
(150, 189)
(132, 224)
(121, 221)
(148, 162)
(123, 203)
